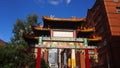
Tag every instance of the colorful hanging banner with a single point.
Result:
(73, 59)
(65, 58)
(69, 63)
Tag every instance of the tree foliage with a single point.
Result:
(15, 57)
(23, 27)
(16, 54)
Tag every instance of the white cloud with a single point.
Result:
(68, 1)
(54, 2)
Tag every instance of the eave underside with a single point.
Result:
(62, 24)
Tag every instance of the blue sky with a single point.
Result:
(11, 10)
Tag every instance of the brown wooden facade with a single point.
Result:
(105, 17)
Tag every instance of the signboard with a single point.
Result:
(63, 33)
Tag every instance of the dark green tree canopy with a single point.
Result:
(24, 27)
(16, 53)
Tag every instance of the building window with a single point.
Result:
(100, 17)
(118, 9)
(95, 23)
(116, 0)
(102, 29)
(105, 42)
(97, 33)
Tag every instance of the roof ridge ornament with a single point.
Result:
(73, 17)
(51, 16)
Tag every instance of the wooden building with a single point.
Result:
(101, 28)
(70, 37)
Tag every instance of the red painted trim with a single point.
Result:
(38, 58)
(87, 59)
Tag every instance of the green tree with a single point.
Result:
(16, 54)
(31, 20)
(18, 30)
(23, 27)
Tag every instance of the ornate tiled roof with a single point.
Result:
(52, 18)
(63, 23)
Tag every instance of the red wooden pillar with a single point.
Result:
(38, 58)
(87, 59)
